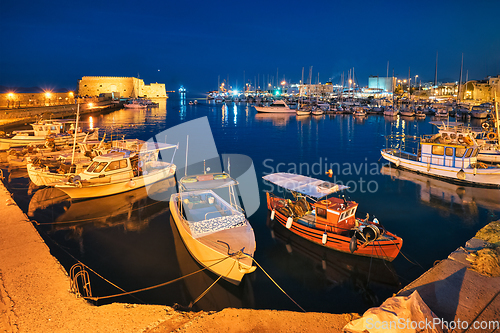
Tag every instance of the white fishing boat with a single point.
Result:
(135, 104)
(437, 156)
(215, 232)
(317, 111)
(48, 172)
(480, 112)
(303, 112)
(407, 112)
(358, 111)
(120, 171)
(278, 106)
(46, 132)
(390, 111)
(485, 137)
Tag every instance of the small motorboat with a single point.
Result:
(120, 171)
(330, 221)
(216, 233)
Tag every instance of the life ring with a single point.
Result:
(190, 180)
(447, 139)
(324, 202)
(468, 141)
(485, 125)
(460, 139)
(491, 136)
(221, 176)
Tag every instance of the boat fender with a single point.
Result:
(461, 174)
(398, 162)
(353, 244)
(323, 264)
(288, 248)
(131, 183)
(428, 167)
(325, 238)
(289, 222)
(468, 141)
(272, 214)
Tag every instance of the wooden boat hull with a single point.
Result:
(214, 255)
(485, 177)
(382, 249)
(94, 190)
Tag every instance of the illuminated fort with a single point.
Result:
(129, 87)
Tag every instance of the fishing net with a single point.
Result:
(487, 261)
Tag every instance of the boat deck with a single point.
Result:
(402, 154)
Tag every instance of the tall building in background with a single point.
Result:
(128, 87)
(383, 83)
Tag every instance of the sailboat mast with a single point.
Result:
(75, 133)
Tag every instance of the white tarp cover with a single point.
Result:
(312, 187)
(397, 314)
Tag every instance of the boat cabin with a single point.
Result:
(450, 155)
(115, 166)
(335, 214)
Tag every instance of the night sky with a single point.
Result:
(52, 44)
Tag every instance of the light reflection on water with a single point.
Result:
(132, 242)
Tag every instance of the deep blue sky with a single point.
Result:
(55, 43)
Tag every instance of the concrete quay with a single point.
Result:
(456, 292)
(10, 118)
(34, 287)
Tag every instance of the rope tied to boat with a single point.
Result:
(270, 278)
(155, 286)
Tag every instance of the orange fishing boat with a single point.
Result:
(330, 221)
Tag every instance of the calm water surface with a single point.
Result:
(131, 240)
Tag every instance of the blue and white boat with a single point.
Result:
(438, 157)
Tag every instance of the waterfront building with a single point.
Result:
(482, 90)
(128, 87)
(384, 83)
(315, 89)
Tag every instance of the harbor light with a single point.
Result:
(90, 105)
(91, 123)
(48, 94)
(10, 95)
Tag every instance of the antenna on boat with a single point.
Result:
(74, 133)
(187, 147)
(204, 169)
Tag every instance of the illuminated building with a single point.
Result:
(129, 87)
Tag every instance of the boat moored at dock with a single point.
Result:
(439, 157)
(216, 233)
(278, 106)
(120, 171)
(329, 221)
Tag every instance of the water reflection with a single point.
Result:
(132, 210)
(447, 197)
(277, 119)
(221, 295)
(330, 269)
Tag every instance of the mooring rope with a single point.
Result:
(278, 285)
(155, 286)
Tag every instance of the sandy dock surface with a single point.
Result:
(35, 296)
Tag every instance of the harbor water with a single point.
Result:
(130, 239)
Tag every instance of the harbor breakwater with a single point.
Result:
(10, 118)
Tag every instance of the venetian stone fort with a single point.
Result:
(129, 87)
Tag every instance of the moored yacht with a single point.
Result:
(278, 106)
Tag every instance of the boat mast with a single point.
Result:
(187, 147)
(74, 134)
(496, 120)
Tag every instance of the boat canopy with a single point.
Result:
(207, 181)
(314, 188)
(153, 146)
